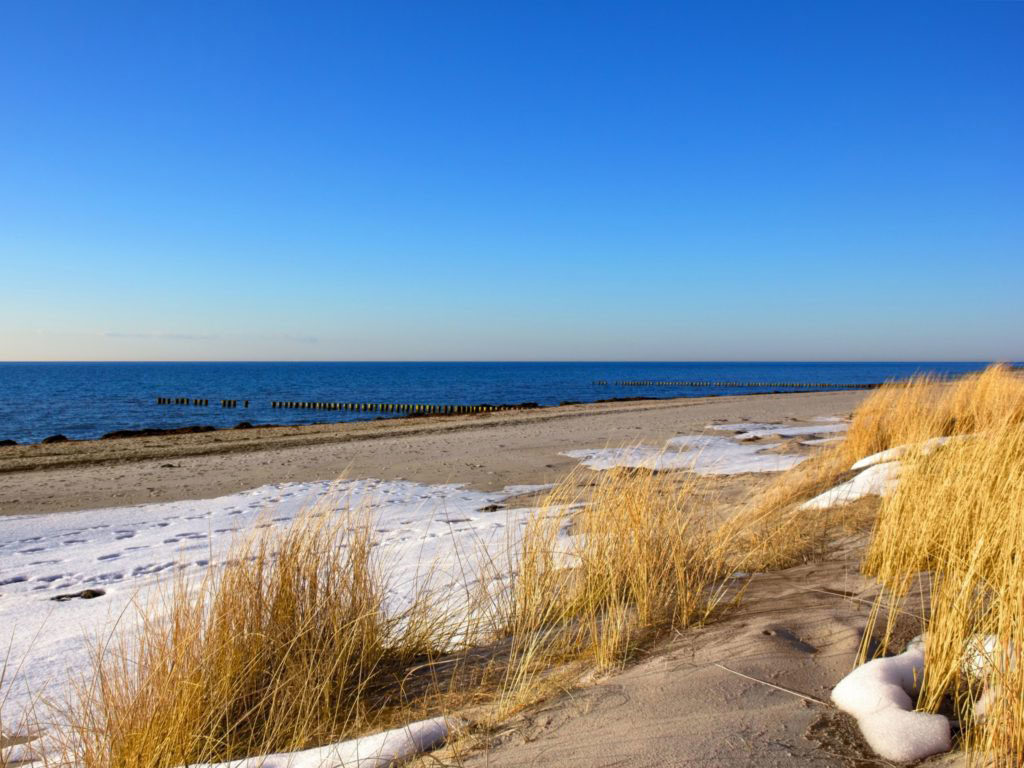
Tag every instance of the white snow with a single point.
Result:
(755, 431)
(821, 441)
(377, 751)
(980, 655)
(876, 480)
(703, 454)
(987, 661)
(16, 753)
(878, 695)
(898, 452)
(440, 529)
(879, 476)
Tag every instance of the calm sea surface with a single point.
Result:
(86, 400)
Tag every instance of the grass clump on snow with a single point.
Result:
(292, 643)
(287, 645)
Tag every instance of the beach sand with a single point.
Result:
(484, 451)
(693, 702)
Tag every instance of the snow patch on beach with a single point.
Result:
(703, 454)
(878, 694)
(821, 441)
(876, 480)
(756, 431)
(879, 474)
(900, 451)
(120, 553)
(377, 751)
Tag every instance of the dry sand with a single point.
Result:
(484, 451)
(797, 629)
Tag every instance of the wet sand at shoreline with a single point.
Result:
(484, 451)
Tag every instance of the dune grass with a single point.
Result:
(5, 730)
(288, 644)
(898, 413)
(954, 523)
(292, 643)
(957, 518)
(601, 577)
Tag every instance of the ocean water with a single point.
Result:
(86, 400)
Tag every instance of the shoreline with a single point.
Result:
(472, 410)
(485, 451)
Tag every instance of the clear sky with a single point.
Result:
(516, 181)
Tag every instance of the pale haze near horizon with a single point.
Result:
(586, 182)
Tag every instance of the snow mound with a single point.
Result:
(878, 695)
(436, 535)
(703, 454)
(876, 480)
(377, 751)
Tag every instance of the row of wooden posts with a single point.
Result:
(418, 408)
(199, 401)
(750, 384)
(413, 408)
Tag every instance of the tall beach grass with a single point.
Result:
(954, 523)
(286, 645)
(292, 643)
(957, 519)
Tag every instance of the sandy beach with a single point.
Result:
(485, 452)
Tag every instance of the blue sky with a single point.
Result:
(753, 181)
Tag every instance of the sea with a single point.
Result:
(87, 400)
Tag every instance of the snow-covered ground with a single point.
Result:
(756, 431)
(876, 480)
(703, 454)
(879, 474)
(126, 551)
(714, 455)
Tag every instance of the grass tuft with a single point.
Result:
(607, 573)
(286, 645)
(957, 518)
